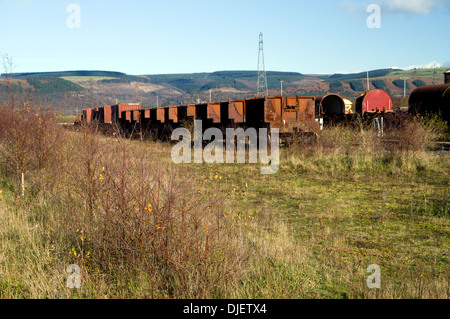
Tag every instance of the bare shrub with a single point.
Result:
(30, 138)
(140, 217)
(31, 142)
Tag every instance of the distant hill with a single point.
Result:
(69, 91)
(388, 73)
(64, 73)
(239, 80)
(361, 75)
(351, 85)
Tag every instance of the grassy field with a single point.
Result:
(321, 232)
(65, 118)
(417, 73)
(140, 226)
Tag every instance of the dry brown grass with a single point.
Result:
(141, 215)
(140, 227)
(125, 216)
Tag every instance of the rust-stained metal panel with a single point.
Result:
(272, 110)
(289, 116)
(147, 114)
(236, 111)
(290, 109)
(128, 107)
(213, 112)
(299, 108)
(107, 118)
(306, 114)
(173, 114)
(304, 103)
(88, 115)
(297, 115)
(160, 115)
(291, 104)
(128, 116)
(136, 116)
(191, 110)
(306, 109)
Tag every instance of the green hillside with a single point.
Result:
(240, 80)
(417, 73)
(64, 74)
(360, 75)
(389, 80)
(46, 85)
(388, 74)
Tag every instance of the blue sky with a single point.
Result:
(173, 36)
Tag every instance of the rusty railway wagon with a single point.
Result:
(431, 99)
(293, 116)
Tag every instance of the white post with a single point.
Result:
(404, 78)
(23, 184)
(368, 85)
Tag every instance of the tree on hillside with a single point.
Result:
(379, 84)
(418, 83)
(356, 86)
(336, 87)
(400, 84)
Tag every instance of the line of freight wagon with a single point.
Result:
(291, 115)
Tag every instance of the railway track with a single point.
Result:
(436, 146)
(439, 146)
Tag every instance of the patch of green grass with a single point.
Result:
(13, 289)
(376, 211)
(416, 73)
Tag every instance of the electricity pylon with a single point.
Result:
(261, 85)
